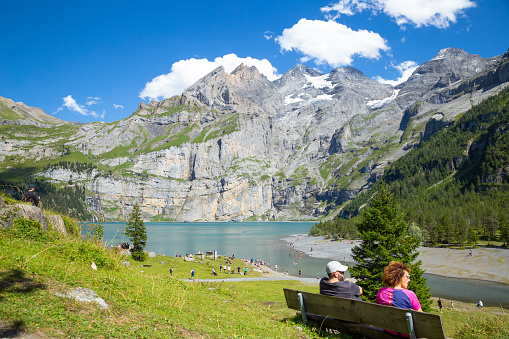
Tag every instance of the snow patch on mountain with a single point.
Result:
(289, 100)
(374, 104)
(318, 82)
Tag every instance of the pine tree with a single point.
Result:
(137, 233)
(385, 239)
(504, 230)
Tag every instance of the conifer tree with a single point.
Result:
(384, 239)
(137, 233)
(504, 230)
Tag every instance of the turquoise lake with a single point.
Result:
(262, 240)
(257, 240)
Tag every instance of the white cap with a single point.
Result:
(334, 266)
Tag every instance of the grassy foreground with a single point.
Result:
(145, 302)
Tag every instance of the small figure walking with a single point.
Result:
(192, 273)
(440, 304)
(300, 273)
(469, 253)
(171, 272)
(452, 304)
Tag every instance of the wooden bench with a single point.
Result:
(363, 318)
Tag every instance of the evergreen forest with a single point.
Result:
(68, 200)
(452, 188)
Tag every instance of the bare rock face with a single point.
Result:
(238, 146)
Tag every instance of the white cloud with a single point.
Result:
(406, 69)
(115, 106)
(93, 101)
(58, 110)
(347, 7)
(73, 106)
(186, 72)
(439, 13)
(268, 35)
(328, 42)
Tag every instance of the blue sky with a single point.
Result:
(97, 60)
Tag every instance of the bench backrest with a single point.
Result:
(426, 325)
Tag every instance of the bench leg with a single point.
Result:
(302, 308)
(410, 325)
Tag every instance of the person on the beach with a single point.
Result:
(192, 273)
(452, 304)
(171, 272)
(470, 253)
(395, 293)
(300, 273)
(334, 284)
(479, 303)
(440, 304)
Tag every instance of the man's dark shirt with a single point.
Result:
(343, 289)
(31, 197)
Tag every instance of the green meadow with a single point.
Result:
(146, 302)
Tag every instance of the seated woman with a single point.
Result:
(395, 293)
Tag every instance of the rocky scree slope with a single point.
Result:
(240, 147)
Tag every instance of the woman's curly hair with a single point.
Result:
(394, 272)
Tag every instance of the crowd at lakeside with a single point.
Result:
(125, 246)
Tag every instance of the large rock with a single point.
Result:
(10, 212)
(25, 211)
(82, 294)
(57, 223)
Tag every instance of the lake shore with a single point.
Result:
(485, 263)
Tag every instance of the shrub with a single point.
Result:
(138, 255)
(72, 227)
(31, 229)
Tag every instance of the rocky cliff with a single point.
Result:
(240, 147)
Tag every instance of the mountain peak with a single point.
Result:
(11, 110)
(450, 52)
(346, 72)
(246, 74)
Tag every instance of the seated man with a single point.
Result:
(336, 285)
(30, 196)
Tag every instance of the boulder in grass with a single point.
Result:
(85, 295)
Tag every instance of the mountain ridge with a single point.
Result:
(240, 147)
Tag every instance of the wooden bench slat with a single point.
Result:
(351, 328)
(426, 325)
